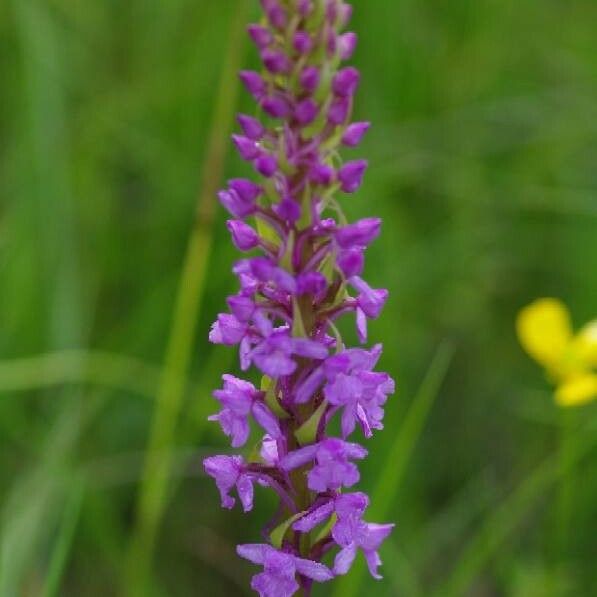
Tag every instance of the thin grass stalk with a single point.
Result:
(501, 523)
(64, 542)
(565, 496)
(154, 485)
(78, 367)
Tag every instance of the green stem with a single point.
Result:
(565, 496)
(152, 495)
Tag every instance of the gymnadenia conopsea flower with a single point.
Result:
(545, 331)
(305, 272)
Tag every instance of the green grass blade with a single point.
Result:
(501, 523)
(78, 367)
(392, 473)
(152, 493)
(63, 546)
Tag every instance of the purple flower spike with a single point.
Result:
(307, 273)
(354, 133)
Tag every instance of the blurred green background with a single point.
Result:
(114, 119)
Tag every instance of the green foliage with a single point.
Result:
(482, 156)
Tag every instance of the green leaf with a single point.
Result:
(267, 232)
(277, 535)
(269, 387)
(326, 528)
(307, 432)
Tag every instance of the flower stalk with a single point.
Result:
(303, 273)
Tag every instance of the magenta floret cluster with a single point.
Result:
(303, 272)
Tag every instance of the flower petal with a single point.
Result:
(578, 390)
(315, 517)
(313, 570)
(586, 344)
(544, 330)
(244, 486)
(298, 457)
(254, 552)
(344, 559)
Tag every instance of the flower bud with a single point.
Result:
(306, 111)
(252, 128)
(253, 82)
(311, 283)
(304, 7)
(289, 210)
(347, 44)
(302, 42)
(266, 165)
(359, 234)
(354, 133)
(247, 148)
(346, 81)
(351, 262)
(322, 174)
(351, 175)
(338, 112)
(243, 236)
(275, 61)
(275, 13)
(247, 190)
(276, 106)
(235, 204)
(261, 36)
(309, 78)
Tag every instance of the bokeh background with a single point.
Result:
(114, 119)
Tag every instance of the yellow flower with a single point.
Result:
(545, 331)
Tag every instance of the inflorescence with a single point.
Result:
(307, 275)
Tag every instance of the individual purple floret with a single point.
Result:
(303, 270)
(278, 578)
